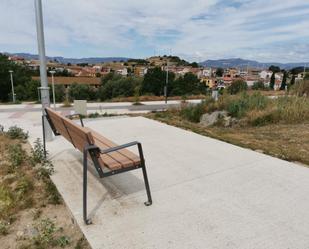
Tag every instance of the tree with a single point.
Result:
(294, 71)
(237, 86)
(21, 76)
(187, 84)
(219, 72)
(284, 79)
(194, 65)
(109, 76)
(122, 87)
(275, 70)
(82, 91)
(259, 85)
(155, 80)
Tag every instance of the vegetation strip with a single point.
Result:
(32, 213)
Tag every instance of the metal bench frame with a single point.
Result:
(93, 151)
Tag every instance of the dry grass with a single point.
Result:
(28, 198)
(286, 141)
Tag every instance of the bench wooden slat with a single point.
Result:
(58, 123)
(124, 157)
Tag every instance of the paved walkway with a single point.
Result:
(206, 193)
(101, 107)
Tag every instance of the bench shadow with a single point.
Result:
(116, 186)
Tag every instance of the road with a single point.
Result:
(100, 106)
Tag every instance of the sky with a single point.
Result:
(196, 30)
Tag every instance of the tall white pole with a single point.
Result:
(43, 75)
(166, 83)
(12, 85)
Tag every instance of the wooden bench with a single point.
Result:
(108, 158)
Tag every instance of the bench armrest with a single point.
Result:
(76, 115)
(119, 147)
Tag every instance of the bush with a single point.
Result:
(6, 201)
(15, 132)
(237, 86)
(300, 88)
(16, 155)
(259, 85)
(293, 109)
(238, 106)
(38, 157)
(80, 91)
(59, 93)
(286, 109)
(193, 113)
(123, 87)
(4, 228)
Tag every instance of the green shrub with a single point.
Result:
(59, 93)
(24, 185)
(238, 108)
(46, 231)
(16, 155)
(259, 85)
(4, 228)
(300, 88)
(259, 118)
(94, 115)
(81, 91)
(63, 241)
(237, 86)
(6, 201)
(293, 109)
(119, 87)
(37, 154)
(193, 113)
(15, 132)
(52, 193)
(239, 105)
(22, 192)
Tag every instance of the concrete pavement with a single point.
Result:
(206, 193)
(108, 107)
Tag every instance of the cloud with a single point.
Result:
(197, 29)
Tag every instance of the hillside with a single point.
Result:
(238, 62)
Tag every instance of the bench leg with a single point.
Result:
(149, 202)
(141, 154)
(85, 169)
(44, 139)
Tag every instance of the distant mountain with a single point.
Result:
(241, 63)
(90, 60)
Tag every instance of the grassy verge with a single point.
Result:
(32, 213)
(286, 135)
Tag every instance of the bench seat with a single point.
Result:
(119, 159)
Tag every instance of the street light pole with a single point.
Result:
(47, 132)
(166, 83)
(53, 87)
(12, 85)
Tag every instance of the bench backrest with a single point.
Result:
(75, 134)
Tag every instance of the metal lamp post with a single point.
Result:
(47, 132)
(12, 84)
(166, 83)
(53, 87)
